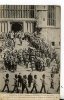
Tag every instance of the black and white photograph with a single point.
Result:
(30, 49)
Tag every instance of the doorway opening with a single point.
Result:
(16, 26)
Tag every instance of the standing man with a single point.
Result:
(52, 81)
(6, 83)
(30, 78)
(15, 84)
(19, 80)
(24, 84)
(34, 84)
(43, 84)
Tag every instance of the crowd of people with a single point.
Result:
(10, 38)
(10, 60)
(29, 58)
(24, 82)
(38, 54)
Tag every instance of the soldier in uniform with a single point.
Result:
(34, 84)
(24, 84)
(6, 83)
(16, 84)
(52, 80)
(43, 84)
(30, 78)
(19, 80)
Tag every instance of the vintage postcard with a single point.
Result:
(30, 51)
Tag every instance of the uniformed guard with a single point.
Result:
(34, 84)
(43, 84)
(6, 83)
(19, 80)
(30, 78)
(15, 84)
(24, 84)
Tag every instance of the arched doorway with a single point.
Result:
(16, 26)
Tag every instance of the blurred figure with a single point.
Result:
(27, 59)
(32, 62)
(19, 80)
(34, 84)
(16, 84)
(20, 37)
(52, 83)
(6, 83)
(24, 84)
(58, 84)
(30, 78)
(48, 61)
(43, 84)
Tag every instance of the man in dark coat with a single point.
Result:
(30, 78)
(24, 84)
(19, 80)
